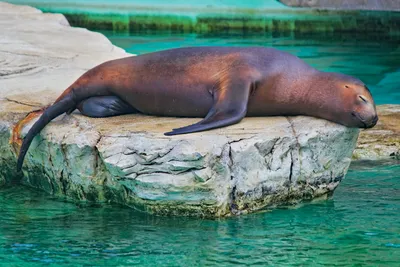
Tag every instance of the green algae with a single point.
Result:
(211, 17)
(385, 23)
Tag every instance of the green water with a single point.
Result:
(359, 226)
(375, 59)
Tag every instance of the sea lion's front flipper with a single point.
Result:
(230, 106)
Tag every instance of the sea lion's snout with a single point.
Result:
(363, 113)
(366, 112)
(371, 122)
(365, 122)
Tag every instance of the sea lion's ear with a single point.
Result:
(229, 107)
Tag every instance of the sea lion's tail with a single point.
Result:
(64, 104)
(89, 84)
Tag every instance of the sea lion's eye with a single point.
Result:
(346, 86)
(362, 98)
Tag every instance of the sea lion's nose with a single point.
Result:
(368, 116)
(371, 122)
(374, 120)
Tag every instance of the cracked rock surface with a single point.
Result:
(383, 141)
(258, 163)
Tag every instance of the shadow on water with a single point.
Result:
(359, 225)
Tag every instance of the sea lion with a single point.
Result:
(222, 84)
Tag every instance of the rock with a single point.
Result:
(388, 5)
(40, 56)
(258, 163)
(38, 47)
(383, 141)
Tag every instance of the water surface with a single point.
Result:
(359, 226)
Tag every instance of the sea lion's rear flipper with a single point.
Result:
(63, 105)
(105, 106)
(229, 107)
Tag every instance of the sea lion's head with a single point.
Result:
(351, 101)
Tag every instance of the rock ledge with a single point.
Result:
(258, 163)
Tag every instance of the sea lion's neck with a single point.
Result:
(319, 97)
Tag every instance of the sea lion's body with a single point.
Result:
(164, 84)
(222, 84)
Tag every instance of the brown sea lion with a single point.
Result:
(222, 84)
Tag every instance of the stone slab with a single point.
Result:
(253, 165)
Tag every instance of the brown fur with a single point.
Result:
(222, 84)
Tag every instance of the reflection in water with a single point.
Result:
(372, 58)
(360, 225)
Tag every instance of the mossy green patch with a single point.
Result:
(200, 21)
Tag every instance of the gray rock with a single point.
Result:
(258, 163)
(41, 54)
(383, 141)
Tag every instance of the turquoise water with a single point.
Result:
(375, 59)
(359, 226)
